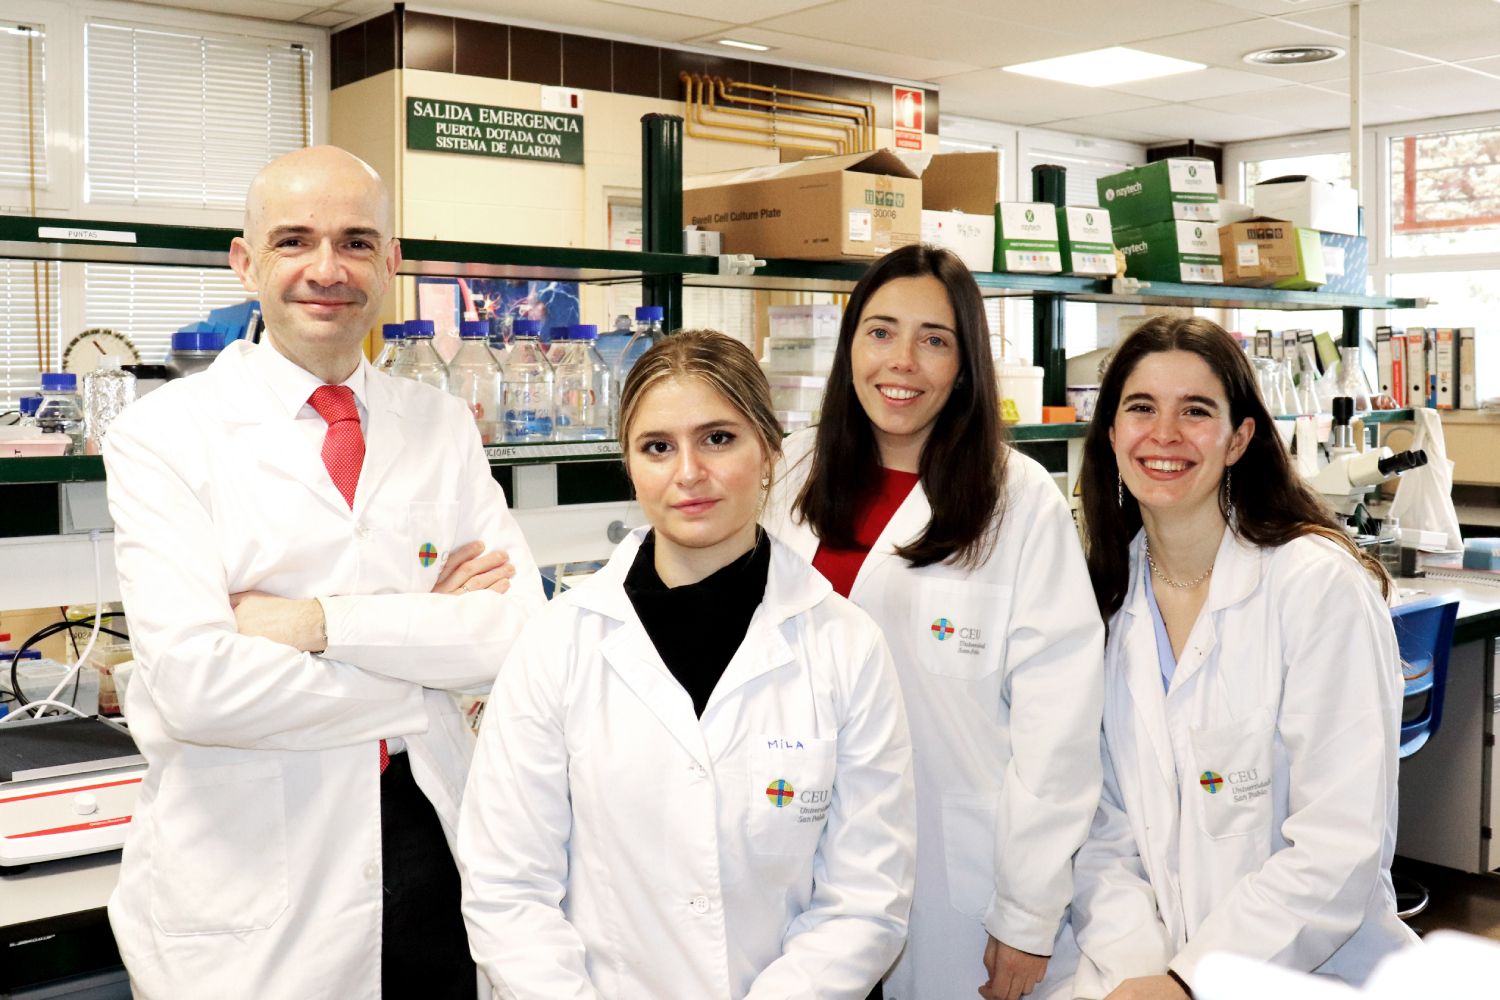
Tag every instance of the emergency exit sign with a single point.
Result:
(908, 116)
(484, 130)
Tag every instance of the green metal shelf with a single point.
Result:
(1236, 297)
(50, 469)
(1047, 432)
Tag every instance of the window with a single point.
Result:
(149, 304)
(29, 307)
(1459, 299)
(23, 114)
(186, 119)
(1445, 192)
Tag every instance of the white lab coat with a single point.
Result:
(614, 845)
(253, 865)
(1004, 718)
(1289, 691)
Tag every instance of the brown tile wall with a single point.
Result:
(416, 40)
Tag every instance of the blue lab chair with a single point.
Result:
(1424, 633)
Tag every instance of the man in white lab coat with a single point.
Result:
(299, 545)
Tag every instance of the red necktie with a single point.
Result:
(343, 454)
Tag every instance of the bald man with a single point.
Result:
(313, 557)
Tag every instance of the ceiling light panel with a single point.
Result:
(1105, 67)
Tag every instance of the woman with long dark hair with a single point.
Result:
(907, 497)
(1252, 689)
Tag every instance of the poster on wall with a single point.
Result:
(501, 301)
(486, 130)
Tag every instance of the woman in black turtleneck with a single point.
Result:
(694, 777)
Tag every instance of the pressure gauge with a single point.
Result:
(85, 351)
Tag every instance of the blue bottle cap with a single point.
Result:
(393, 331)
(28, 405)
(649, 313)
(584, 331)
(6, 655)
(59, 382)
(420, 328)
(526, 328)
(198, 340)
(474, 329)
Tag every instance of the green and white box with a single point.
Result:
(1026, 237)
(1179, 188)
(1172, 251)
(1088, 245)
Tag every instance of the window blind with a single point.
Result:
(24, 292)
(149, 304)
(16, 115)
(187, 120)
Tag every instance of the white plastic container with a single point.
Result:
(797, 392)
(38, 677)
(802, 321)
(799, 356)
(1020, 393)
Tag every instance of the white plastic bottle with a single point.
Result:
(528, 381)
(584, 411)
(61, 411)
(648, 333)
(394, 336)
(418, 360)
(107, 390)
(474, 377)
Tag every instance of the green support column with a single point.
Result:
(661, 208)
(1351, 328)
(1049, 346)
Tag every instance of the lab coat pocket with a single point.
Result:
(1234, 775)
(791, 791)
(430, 525)
(959, 626)
(219, 853)
(969, 852)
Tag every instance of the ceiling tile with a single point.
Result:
(837, 56)
(736, 11)
(266, 10)
(1226, 47)
(1490, 65)
(1281, 6)
(1106, 127)
(1099, 23)
(1430, 90)
(1187, 121)
(938, 34)
(1211, 82)
(1303, 109)
(596, 16)
(1022, 100)
(326, 18)
(1458, 29)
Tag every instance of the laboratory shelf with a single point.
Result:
(552, 452)
(1233, 297)
(51, 469)
(1373, 417)
(1047, 432)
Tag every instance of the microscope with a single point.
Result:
(1349, 474)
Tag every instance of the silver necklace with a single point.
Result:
(1164, 578)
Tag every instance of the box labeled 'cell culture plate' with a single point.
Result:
(858, 206)
(1026, 237)
(971, 237)
(1309, 203)
(1270, 253)
(1087, 242)
(1172, 251)
(1179, 188)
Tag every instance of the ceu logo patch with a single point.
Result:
(942, 629)
(427, 554)
(1210, 781)
(779, 793)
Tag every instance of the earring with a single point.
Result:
(1229, 492)
(1119, 489)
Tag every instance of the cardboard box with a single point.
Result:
(1026, 237)
(971, 237)
(1309, 203)
(962, 182)
(1269, 253)
(1087, 241)
(1172, 251)
(1346, 263)
(1178, 188)
(859, 206)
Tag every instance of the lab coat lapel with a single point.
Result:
(1137, 637)
(1236, 575)
(256, 422)
(384, 439)
(903, 528)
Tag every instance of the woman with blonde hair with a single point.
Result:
(694, 775)
(1252, 690)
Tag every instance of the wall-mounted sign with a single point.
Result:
(908, 109)
(485, 130)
